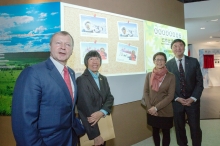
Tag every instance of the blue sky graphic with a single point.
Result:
(28, 27)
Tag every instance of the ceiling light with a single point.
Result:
(202, 28)
(214, 20)
(210, 37)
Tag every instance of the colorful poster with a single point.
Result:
(99, 30)
(158, 38)
(25, 32)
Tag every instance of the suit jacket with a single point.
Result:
(91, 99)
(162, 99)
(42, 108)
(194, 79)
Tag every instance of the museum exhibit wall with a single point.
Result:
(129, 118)
(210, 76)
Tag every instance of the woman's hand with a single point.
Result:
(95, 117)
(98, 141)
(153, 111)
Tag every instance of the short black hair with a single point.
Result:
(177, 40)
(92, 53)
(160, 53)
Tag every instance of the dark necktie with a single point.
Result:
(67, 80)
(182, 79)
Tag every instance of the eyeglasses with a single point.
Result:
(94, 59)
(159, 60)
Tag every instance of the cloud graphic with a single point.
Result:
(40, 29)
(8, 22)
(4, 14)
(53, 13)
(42, 15)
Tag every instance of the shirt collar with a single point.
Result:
(94, 75)
(183, 59)
(58, 65)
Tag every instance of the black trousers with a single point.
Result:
(165, 139)
(193, 117)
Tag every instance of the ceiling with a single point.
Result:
(201, 14)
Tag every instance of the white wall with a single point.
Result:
(214, 73)
(196, 47)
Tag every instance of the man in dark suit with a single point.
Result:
(187, 95)
(43, 107)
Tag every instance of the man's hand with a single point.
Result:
(182, 101)
(185, 102)
(98, 141)
(95, 117)
(189, 101)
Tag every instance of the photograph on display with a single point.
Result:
(102, 48)
(24, 38)
(128, 31)
(93, 26)
(126, 53)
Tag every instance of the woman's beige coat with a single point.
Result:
(162, 99)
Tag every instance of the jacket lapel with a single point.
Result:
(58, 79)
(92, 81)
(186, 65)
(72, 74)
(175, 68)
(101, 83)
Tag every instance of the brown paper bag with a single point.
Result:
(106, 130)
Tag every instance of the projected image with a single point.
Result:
(28, 28)
(128, 31)
(126, 53)
(25, 32)
(102, 48)
(93, 26)
(158, 39)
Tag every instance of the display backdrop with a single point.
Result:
(25, 32)
(210, 76)
(121, 38)
(125, 44)
(158, 38)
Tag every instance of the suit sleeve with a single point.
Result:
(109, 99)
(147, 91)
(172, 70)
(197, 92)
(25, 109)
(85, 106)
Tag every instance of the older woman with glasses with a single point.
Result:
(94, 97)
(158, 93)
